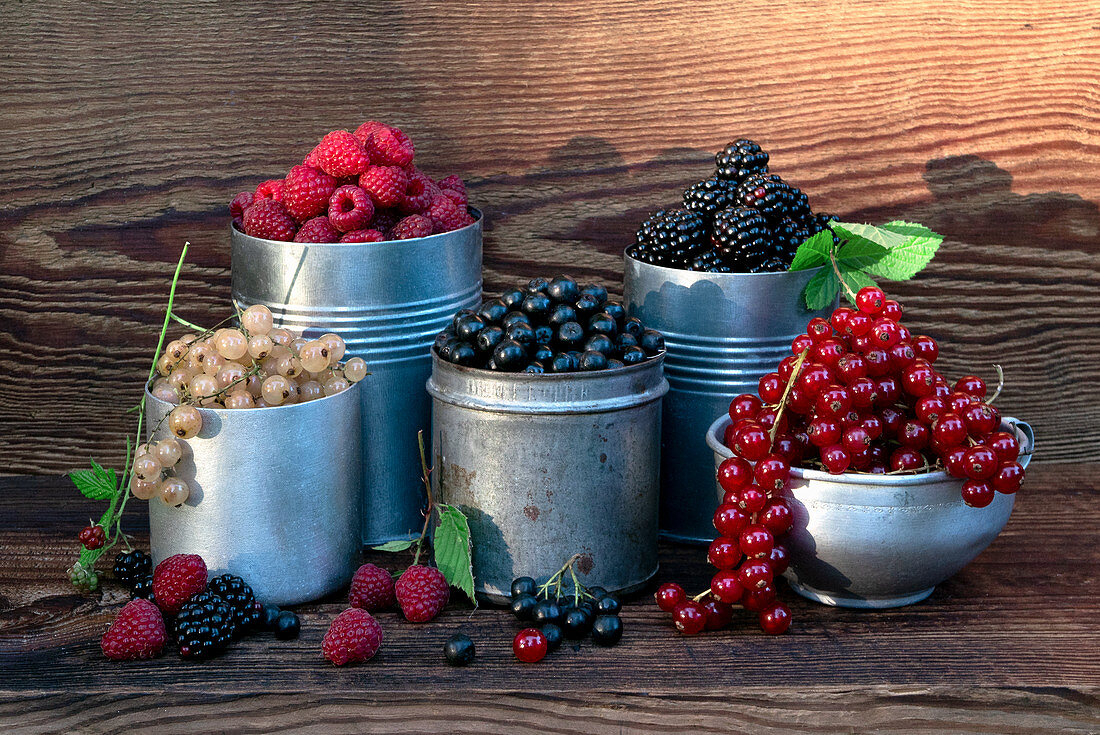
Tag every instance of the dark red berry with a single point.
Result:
(926, 348)
(885, 333)
(919, 379)
(669, 595)
(755, 574)
(855, 439)
(690, 617)
(858, 325)
(719, 614)
(828, 352)
(756, 541)
(981, 463)
(726, 587)
(753, 500)
(891, 310)
(734, 474)
(888, 391)
(770, 388)
(744, 406)
(906, 459)
(1008, 478)
(755, 600)
(850, 367)
(971, 385)
(772, 473)
(775, 619)
(824, 431)
(949, 430)
(930, 408)
(839, 318)
(814, 377)
(864, 395)
(751, 442)
(801, 343)
(530, 645)
(836, 459)
(729, 520)
(724, 553)
(777, 517)
(1004, 445)
(955, 462)
(819, 330)
(778, 559)
(913, 434)
(870, 300)
(981, 420)
(977, 493)
(833, 401)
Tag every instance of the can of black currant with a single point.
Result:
(388, 300)
(723, 332)
(545, 466)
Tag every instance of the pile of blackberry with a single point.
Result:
(740, 220)
(548, 326)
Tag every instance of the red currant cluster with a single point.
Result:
(860, 393)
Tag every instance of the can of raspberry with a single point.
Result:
(545, 466)
(268, 501)
(723, 332)
(388, 300)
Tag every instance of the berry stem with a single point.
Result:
(1000, 384)
(836, 269)
(426, 477)
(795, 372)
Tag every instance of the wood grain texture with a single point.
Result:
(125, 129)
(1007, 646)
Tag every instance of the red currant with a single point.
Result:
(981, 462)
(669, 595)
(902, 356)
(971, 385)
(872, 424)
(772, 473)
(885, 333)
(770, 388)
(870, 300)
(767, 417)
(913, 434)
(850, 367)
(724, 553)
(719, 614)
(926, 348)
(955, 462)
(833, 401)
(828, 352)
(778, 559)
(836, 459)
(1005, 445)
(888, 390)
(799, 401)
(755, 600)
(959, 402)
(856, 439)
(530, 645)
(858, 325)
(775, 619)
(727, 435)
(981, 420)
(751, 442)
(823, 431)
(744, 406)
(930, 408)
(734, 474)
(753, 500)
(777, 517)
(839, 318)
(755, 574)
(863, 393)
(977, 493)
(690, 617)
(729, 520)
(801, 343)
(814, 377)
(818, 330)
(906, 459)
(786, 368)
(891, 310)
(756, 541)
(726, 587)
(949, 430)
(919, 379)
(891, 420)
(1008, 478)
(786, 447)
(878, 362)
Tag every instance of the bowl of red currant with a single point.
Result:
(873, 476)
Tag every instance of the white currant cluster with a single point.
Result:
(255, 365)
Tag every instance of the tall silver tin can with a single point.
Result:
(269, 501)
(723, 332)
(547, 466)
(388, 300)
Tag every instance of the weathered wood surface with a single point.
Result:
(1008, 645)
(125, 129)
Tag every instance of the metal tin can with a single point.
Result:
(547, 466)
(877, 541)
(269, 502)
(723, 332)
(388, 300)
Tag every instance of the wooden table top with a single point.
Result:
(1008, 645)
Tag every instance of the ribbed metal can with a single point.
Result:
(547, 466)
(269, 501)
(723, 332)
(388, 300)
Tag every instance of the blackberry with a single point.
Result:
(799, 207)
(240, 598)
(143, 588)
(739, 160)
(670, 236)
(132, 566)
(772, 264)
(788, 236)
(710, 196)
(767, 194)
(205, 626)
(741, 236)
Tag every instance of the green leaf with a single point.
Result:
(453, 553)
(855, 278)
(395, 545)
(909, 247)
(877, 235)
(909, 229)
(860, 253)
(813, 252)
(96, 483)
(822, 289)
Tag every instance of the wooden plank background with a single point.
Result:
(125, 128)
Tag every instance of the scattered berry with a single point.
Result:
(607, 630)
(287, 626)
(177, 579)
(204, 626)
(422, 593)
(137, 633)
(372, 589)
(352, 637)
(458, 650)
(530, 645)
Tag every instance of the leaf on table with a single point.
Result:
(453, 549)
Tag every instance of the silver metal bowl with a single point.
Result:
(874, 541)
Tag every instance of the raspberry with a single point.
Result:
(317, 230)
(177, 579)
(349, 208)
(363, 236)
(455, 196)
(340, 154)
(270, 189)
(415, 225)
(371, 588)
(363, 132)
(419, 194)
(268, 219)
(444, 214)
(421, 592)
(137, 633)
(388, 146)
(240, 203)
(384, 220)
(307, 192)
(353, 636)
(385, 184)
(455, 183)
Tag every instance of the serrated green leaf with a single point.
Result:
(877, 235)
(398, 545)
(860, 253)
(909, 247)
(95, 483)
(453, 553)
(813, 252)
(855, 278)
(909, 229)
(821, 290)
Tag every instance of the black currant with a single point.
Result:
(269, 615)
(603, 323)
(512, 299)
(536, 306)
(458, 650)
(570, 335)
(597, 592)
(492, 311)
(597, 292)
(543, 353)
(544, 334)
(563, 288)
(546, 611)
(524, 586)
(634, 326)
(522, 333)
(652, 342)
(592, 360)
(561, 314)
(587, 306)
(613, 363)
(632, 355)
(600, 343)
(553, 636)
(287, 626)
(489, 338)
(537, 285)
(510, 356)
(614, 310)
(536, 368)
(467, 327)
(561, 363)
(608, 605)
(576, 623)
(460, 316)
(607, 630)
(463, 353)
(514, 317)
(523, 606)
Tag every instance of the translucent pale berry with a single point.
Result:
(168, 452)
(176, 350)
(335, 385)
(163, 390)
(280, 336)
(146, 467)
(355, 369)
(144, 490)
(257, 319)
(275, 389)
(310, 390)
(336, 347)
(230, 374)
(185, 421)
(174, 491)
(238, 399)
(259, 346)
(231, 343)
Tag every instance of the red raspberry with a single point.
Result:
(455, 183)
(317, 230)
(385, 184)
(349, 208)
(353, 636)
(270, 189)
(419, 194)
(268, 219)
(240, 203)
(415, 225)
(421, 592)
(388, 146)
(444, 214)
(371, 588)
(363, 132)
(177, 579)
(384, 220)
(457, 197)
(307, 192)
(340, 154)
(137, 633)
(363, 236)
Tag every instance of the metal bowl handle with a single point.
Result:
(1026, 435)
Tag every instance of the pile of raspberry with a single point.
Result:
(354, 187)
